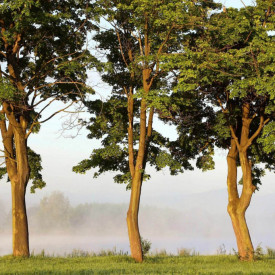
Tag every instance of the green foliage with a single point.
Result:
(35, 165)
(205, 163)
(52, 62)
(231, 63)
(267, 139)
(220, 127)
(7, 90)
(259, 253)
(130, 25)
(164, 159)
(3, 172)
(34, 160)
(43, 60)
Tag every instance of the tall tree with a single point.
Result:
(138, 36)
(233, 70)
(43, 60)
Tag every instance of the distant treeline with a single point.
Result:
(55, 214)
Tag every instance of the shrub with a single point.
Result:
(145, 246)
(184, 252)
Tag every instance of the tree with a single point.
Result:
(43, 60)
(54, 212)
(137, 37)
(233, 70)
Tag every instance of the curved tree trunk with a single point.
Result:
(132, 220)
(237, 205)
(137, 170)
(234, 208)
(132, 214)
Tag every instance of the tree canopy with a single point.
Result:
(43, 59)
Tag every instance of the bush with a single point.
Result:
(258, 253)
(145, 246)
(184, 252)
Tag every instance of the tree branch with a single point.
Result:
(235, 137)
(51, 116)
(121, 49)
(262, 124)
(220, 103)
(3, 54)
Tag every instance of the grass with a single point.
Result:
(223, 264)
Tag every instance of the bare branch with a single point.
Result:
(57, 112)
(121, 48)
(59, 82)
(243, 3)
(51, 116)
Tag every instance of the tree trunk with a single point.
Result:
(19, 183)
(245, 247)
(132, 220)
(132, 214)
(237, 205)
(16, 158)
(140, 163)
(20, 234)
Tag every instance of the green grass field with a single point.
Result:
(125, 265)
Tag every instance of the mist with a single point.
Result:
(199, 222)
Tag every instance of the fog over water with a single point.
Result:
(198, 222)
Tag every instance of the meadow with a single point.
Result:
(123, 264)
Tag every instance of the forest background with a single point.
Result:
(194, 203)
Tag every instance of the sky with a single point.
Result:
(59, 154)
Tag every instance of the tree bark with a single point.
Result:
(132, 219)
(20, 234)
(18, 186)
(237, 205)
(245, 247)
(16, 158)
(144, 135)
(132, 214)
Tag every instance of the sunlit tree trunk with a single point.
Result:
(16, 158)
(138, 171)
(132, 220)
(237, 205)
(18, 185)
(20, 234)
